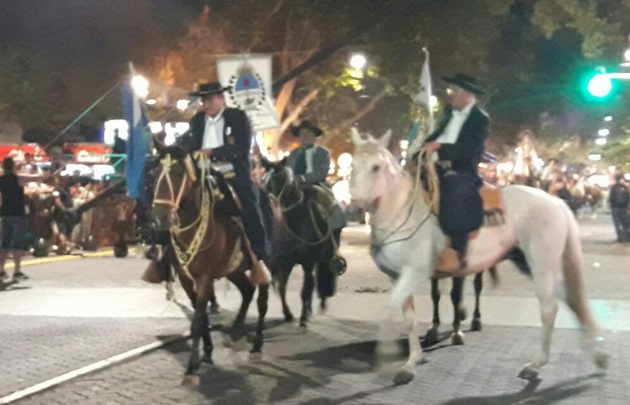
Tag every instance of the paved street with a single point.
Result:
(73, 313)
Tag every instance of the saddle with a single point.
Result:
(492, 200)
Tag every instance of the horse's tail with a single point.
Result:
(572, 267)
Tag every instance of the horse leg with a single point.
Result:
(284, 271)
(247, 290)
(326, 283)
(432, 336)
(307, 293)
(262, 302)
(214, 305)
(478, 283)
(457, 338)
(199, 330)
(545, 286)
(408, 371)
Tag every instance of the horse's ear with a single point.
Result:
(356, 136)
(385, 139)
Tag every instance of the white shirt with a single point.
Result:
(455, 124)
(213, 133)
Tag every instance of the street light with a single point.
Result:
(603, 132)
(608, 118)
(358, 61)
(600, 141)
(140, 85)
(626, 55)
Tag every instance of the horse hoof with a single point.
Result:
(191, 381)
(457, 338)
(403, 376)
(238, 345)
(207, 358)
(528, 374)
(215, 309)
(476, 325)
(601, 360)
(288, 317)
(431, 337)
(303, 323)
(255, 357)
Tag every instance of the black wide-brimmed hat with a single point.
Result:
(465, 82)
(295, 130)
(207, 89)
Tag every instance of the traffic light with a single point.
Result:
(600, 85)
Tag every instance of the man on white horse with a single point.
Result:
(459, 143)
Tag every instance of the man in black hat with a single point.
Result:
(459, 143)
(310, 163)
(224, 135)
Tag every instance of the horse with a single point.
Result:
(539, 233)
(301, 236)
(206, 243)
(585, 194)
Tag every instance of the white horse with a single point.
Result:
(406, 239)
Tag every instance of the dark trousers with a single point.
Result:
(252, 216)
(461, 207)
(622, 224)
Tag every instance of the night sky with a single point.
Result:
(89, 42)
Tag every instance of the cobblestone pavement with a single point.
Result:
(71, 313)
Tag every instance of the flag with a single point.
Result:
(138, 141)
(426, 91)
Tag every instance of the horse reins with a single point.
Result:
(311, 215)
(431, 196)
(185, 256)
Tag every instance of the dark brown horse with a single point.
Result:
(206, 243)
(302, 236)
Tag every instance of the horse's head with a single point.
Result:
(372, 168)
(174, 175)
(277, 176)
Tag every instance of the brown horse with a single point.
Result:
(206, 243)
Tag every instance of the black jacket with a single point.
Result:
(237, 139)
(466, 153)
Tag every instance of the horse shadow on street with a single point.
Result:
(297, 360)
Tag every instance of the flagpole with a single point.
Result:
(83, 114)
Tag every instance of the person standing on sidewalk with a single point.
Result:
(13, 214)
(619, 199)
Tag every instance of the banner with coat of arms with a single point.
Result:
(249, 77)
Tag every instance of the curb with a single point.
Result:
(53, 259)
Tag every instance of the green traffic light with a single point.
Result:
(600, 85)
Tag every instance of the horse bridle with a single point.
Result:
(282, 190)
(166, 163)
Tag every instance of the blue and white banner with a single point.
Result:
(139, 140)
(249, 78)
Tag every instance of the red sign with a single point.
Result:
(88, 152)
(17, 151)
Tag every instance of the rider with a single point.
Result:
(310, 164)
(224, 135)
(459, 145)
